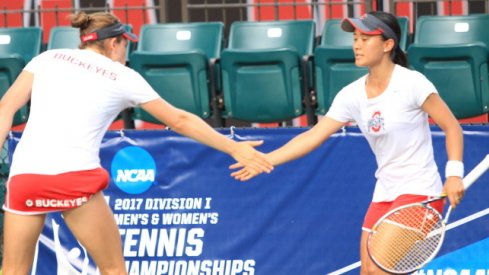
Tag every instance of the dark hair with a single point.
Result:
(88, 23)
(397, 54)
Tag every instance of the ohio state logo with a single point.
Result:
(376, 123)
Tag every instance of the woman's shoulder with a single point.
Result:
(414, 83)
(408, 73)
(412, 79)
(355, 85)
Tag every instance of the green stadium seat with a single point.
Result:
(17, 47)
(263, 70)
(334, 62)
(25, 42)
(63, 37)
(453, 52)
(177, 60)
(10, 68)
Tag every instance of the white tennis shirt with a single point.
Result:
(76, 95)
(397, 131)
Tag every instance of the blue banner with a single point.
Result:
(180, 212)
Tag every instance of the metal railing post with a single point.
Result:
(185, 17)
(162, 9)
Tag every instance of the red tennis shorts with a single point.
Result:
(30, 194)
(378, 209)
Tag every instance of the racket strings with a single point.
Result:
(406, 239)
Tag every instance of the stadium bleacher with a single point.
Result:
(453, 52)
(17, 47)
(181, 68)
(63, 37)
(235, 91)
(262, 68)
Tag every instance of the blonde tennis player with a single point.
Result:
(391, 105)
(75, 95)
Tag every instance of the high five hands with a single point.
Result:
(247, 169)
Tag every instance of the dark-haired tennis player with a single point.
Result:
(390, 105)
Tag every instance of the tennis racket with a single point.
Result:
(408, 237)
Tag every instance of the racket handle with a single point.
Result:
(473, 175)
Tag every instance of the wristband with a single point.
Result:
(454, 168)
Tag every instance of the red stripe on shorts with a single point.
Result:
(34, 193)
(378, 209)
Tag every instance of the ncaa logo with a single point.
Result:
(133, 170)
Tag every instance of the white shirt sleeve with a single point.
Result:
(137, 89)
(342, 108)
(421, 88)
(36, 63)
